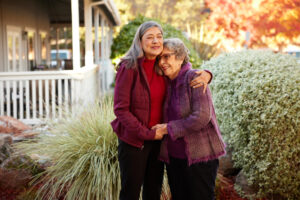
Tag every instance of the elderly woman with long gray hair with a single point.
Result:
(193, 141)
(138, 102)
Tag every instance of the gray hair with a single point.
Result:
(136, 51)
(178, 47)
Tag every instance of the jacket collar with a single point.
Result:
(140, 67)
(179, 80)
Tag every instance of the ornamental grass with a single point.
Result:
(83, 153)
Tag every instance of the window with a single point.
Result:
(14, 49)
(43, 48)
(31, 49)
(53, 56)
(62, 54)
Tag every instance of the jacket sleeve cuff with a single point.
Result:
(150, 134)
(211, 75)
(171, 133)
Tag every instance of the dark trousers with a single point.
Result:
(195, 182)
(140, 167)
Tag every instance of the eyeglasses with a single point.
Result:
(165, 56)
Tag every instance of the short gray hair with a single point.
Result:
(136, 51)
(178, 47)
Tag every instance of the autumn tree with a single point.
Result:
(276, 22)
(182, 14)
(269, 23)
(187, 15)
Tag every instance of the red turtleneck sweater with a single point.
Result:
(157, 92)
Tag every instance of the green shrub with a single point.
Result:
(257, 100)
(124, 39)
(83, 150)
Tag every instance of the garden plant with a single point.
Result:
(256, 96)
(83, 152)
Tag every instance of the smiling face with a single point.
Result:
(169, 63)
(152, 43)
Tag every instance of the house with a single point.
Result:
(32, 91)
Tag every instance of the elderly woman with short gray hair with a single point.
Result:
(193, 142)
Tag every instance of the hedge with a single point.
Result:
(122, 42)
(257, 100)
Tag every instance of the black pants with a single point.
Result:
(140, 167)
(195, 182)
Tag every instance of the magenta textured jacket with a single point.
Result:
(198, 124)
(132, 106)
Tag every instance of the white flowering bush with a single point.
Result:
(257, 100)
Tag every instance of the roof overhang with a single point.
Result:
(109, 9)
(60, 11)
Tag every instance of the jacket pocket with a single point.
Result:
(116, 125)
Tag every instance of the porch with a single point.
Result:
(36, 96)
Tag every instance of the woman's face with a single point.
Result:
(169, 63)
(152, 43)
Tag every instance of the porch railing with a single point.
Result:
(36, 96)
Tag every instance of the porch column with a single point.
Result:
(75, 34)
(58, 63)
(102, 39)
(111, 32)
(89, 57)
(2, 54)
(96, 21)
(106, 40)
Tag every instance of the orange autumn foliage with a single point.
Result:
(271, 23)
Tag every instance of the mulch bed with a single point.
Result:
(225, 189)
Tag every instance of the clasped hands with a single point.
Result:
(160, 131)
(201, 80)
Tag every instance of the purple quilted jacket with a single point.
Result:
(198, 124)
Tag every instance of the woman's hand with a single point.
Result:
(202, 79)
(161, 130)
